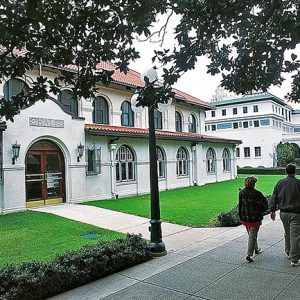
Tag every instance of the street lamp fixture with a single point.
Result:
(16, 151)
(156, 245)
(80, 149)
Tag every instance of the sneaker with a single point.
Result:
(258, 251)
(295, 263)
(249, 259)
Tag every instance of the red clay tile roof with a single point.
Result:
(107, 130)
(132, 78)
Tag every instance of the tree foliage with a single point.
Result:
(285, 154)
(245, 40)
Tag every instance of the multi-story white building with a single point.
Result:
(260, 121)
(69, 150)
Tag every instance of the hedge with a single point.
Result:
(41, 280)
(262, 170)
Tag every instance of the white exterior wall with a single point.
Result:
(80, 187)
(265, 136)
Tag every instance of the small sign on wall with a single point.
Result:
(43, 122)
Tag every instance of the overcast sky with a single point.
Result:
(196, 82)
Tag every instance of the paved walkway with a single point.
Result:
(202, 263)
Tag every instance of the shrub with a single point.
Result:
(40, 280)
(260, 170)
(230, 218)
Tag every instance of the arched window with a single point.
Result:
(182, 162)
(157, 119)
(124, 164)
(127, 117)
(178, 121)
(13, 87)
(210, 161)
(160, 162)
(100, 112)
(68, 102)
(192, 124)
(226, 160)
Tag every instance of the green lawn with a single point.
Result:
(27, 236)
(194, 206)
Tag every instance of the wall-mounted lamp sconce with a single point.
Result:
(16, 151)
(80, 149)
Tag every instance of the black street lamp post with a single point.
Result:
(156, 245)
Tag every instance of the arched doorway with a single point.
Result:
(45, 174)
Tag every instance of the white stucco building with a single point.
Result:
(260, 121)
(50, 167)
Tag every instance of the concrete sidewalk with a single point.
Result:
(202, 263)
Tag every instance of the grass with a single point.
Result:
(27, 236)
(195, 206)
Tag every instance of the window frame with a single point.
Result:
(8, 88)
(259, 151)
(127, 111)
(182, 162)
(178, 121)
(93, 160)
(245, 109)
(226, 160)
(161, 163)
(158, 119)
(72, 106)
(210, 161)
(192, 124)
(125, 161)
(247, 149)
(101, 112)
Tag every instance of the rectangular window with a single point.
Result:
(223, 112)
(235, 125)
(250, 123)
(255, 108)
(213, 113)
(245, 109)
(245, 124)
(246, 151)
(257, 151)
(213, 127)
(237, 152)
(234, 111)
(256, 123)
(93, 157)
(240, 124)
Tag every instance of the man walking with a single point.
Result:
(286, 197)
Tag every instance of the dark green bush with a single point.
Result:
(261, 170)
(41, 280)
(229, 218)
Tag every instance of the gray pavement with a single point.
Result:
(202, 263)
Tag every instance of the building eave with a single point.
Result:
(119, 131)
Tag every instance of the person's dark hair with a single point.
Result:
(290, 169)
(250, 182)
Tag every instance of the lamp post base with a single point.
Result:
(157, 249)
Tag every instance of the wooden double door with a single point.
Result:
(45, 174)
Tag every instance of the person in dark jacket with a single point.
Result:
(252, 206)
(286, 197)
